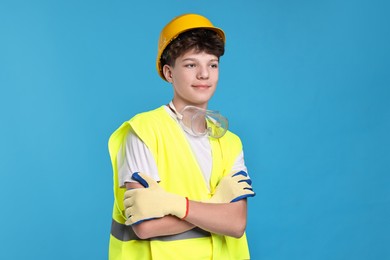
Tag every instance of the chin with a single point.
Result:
(201, 102)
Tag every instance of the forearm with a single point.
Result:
(168, 225)
(225, 218)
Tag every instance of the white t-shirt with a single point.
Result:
(136, 157)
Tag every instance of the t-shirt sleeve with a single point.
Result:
(239, 164)
(135, 156)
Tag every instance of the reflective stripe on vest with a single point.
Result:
(126, 233)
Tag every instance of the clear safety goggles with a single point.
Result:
(200, 122)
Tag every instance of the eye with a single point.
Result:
(214, 65)
(190, 65)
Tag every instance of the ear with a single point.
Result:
(167, 72)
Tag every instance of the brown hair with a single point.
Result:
(196, 39)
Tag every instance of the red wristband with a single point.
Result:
(187, 208)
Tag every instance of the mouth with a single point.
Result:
(201, 86)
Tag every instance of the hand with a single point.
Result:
(151, 201)
(232, 188)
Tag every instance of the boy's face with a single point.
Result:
(194, 78)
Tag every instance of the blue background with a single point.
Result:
(304, 83)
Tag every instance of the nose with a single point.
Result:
(203, 72)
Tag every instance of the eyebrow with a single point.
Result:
(193, 59)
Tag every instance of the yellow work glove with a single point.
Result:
(152, 201)
(232, 188)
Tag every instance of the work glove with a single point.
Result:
(152, 201)
(232, 188)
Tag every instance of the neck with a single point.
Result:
(180, 105)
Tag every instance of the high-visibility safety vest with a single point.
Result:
(180, 174)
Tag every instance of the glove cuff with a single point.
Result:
(187, 208)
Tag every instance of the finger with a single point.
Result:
(128, 213)
(242, 180)
(128, 202)
(244, 186)
(248, 188)
(240, 173)
(244, 191)
(131, 221)
(240, 176)
(129, 193)
(249, 181)
(243, 197)
(144, 179)
(137, 177)
(245, 194)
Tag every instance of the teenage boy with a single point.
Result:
(180, 181)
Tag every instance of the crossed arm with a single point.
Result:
(222, 218)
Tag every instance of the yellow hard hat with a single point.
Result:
(179, 25)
